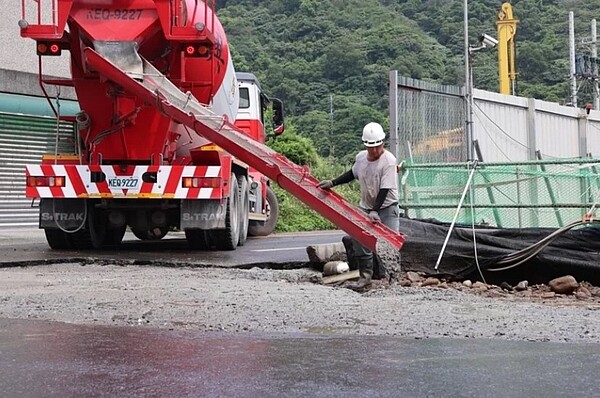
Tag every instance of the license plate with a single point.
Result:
(123, 182)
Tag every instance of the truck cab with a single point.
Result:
(253, 106)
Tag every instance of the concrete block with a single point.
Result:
(327, 252)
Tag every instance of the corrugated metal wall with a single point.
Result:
(511, 128)
(507, 128)
(500, 126)
(23, 140)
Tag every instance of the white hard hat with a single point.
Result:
(373, 134)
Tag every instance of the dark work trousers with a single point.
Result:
(355, 251)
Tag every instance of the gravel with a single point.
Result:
(282, 301)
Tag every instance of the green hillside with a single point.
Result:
(329, 59)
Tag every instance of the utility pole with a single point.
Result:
(393, 95)
(331, 145)
(573, 76)
(595, 66)
(468, 85)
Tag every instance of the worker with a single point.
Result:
(375, 170)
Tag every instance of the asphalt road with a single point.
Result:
(28, 246)
(40, 358)
(48, 359)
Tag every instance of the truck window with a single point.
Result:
(244, 98)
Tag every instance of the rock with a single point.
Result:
(431, 282)
(442, 285)
(467, 283)
(563, 285)
(413, 276)
(480, 285)
(506, 286)
(547, 295)
(583, 293)
(523, 285)
(496, 293)
(405, 282)
(525, 293)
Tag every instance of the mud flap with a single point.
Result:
(203, 214)
(67, 214)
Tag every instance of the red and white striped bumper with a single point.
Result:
(167, 184)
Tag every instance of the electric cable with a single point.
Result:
(491, 138)
(474, 237)
(500, 128)
(519, 257)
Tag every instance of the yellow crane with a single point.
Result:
(507, 28)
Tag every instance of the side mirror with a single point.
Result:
(278, 123)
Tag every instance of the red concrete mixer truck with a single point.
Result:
(133, 165)
(168, 136)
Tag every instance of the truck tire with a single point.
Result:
(156, 233)
(264, 228)
(197, 239)
(228, 238)
(57, 239)
(94, 236)
(114, 236)
(244, 209)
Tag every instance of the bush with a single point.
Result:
(299, 150)
(293, 214)
(296, 216)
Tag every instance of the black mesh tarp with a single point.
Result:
(575, 252)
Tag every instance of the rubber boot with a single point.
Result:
(349, 246)
(365, 270)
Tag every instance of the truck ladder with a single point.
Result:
(185, 109)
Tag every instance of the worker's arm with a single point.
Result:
(374, 213)
(343, 179)
(380, 199)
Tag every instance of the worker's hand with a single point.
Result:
(325, 184)
(374, 216)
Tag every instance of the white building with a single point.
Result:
(27, 123)
(19, 53)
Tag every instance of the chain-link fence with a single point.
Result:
(527, 194)
(430, 121)
(522, 192)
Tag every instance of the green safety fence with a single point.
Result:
(544, 193)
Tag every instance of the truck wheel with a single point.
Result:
(156, 233)
(114, 236)
(57, 239)
(264, 228)
(244, 209)
(229, 238)
(94, 236)
(197, 239)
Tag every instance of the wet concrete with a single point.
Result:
(46, 359)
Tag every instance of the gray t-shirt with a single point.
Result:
(375, 175)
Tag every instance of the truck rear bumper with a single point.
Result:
(128, 182)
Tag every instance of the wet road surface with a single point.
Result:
(47, 359)
(25, 246)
